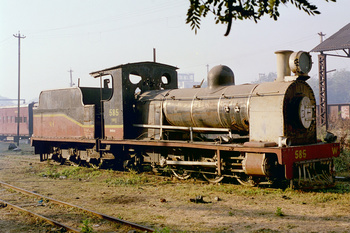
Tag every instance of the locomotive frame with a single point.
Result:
(152, 122)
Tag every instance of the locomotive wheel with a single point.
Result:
(97, 163)
(76, 162)
(58, 159)
(181, 174)
(212, 178)
(58, 162)
(247, 180)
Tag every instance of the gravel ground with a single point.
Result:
(167, 205)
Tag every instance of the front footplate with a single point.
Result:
(313, 174)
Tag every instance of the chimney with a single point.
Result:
(283, 68)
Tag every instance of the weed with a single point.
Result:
(86, 228)
(50, 172)
(264, 230)
(279, 212)
(131, 178)
(163, 230)
(230, 213)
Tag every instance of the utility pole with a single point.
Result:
(322, 74)
(19, 81)
(321, 35)
(71, 79)
(154, 54)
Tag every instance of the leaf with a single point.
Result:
(225, 11)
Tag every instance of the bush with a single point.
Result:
(342, 163)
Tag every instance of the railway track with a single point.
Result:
(61, 214)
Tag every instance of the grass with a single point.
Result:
(142, 193)
(53, 171)
(243, 190)
(86, 226)
(132, 178)
(163, 230)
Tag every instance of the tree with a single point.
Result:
(338, 85)
(263, 78)
(227, 10)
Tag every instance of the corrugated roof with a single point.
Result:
(338, 41)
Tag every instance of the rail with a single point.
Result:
(53, 222)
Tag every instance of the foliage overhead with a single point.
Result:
(227, 10)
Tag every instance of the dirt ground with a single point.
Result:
(164, 203)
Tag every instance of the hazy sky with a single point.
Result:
(89, 35)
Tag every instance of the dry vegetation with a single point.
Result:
(164, 204)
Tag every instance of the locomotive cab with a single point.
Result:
(130, 81)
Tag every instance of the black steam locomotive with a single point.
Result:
(257, 133)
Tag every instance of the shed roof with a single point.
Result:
(338, 41)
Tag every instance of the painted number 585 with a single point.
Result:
(114, 112)
(299, 154)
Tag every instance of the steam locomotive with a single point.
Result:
(256, 133)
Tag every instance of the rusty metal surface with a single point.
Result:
(322, 73)
(291, 155)
(61, 113)
(253, 164)
(68, 140)
(338, 41)
(275, 112)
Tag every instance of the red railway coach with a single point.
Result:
(9, 119)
